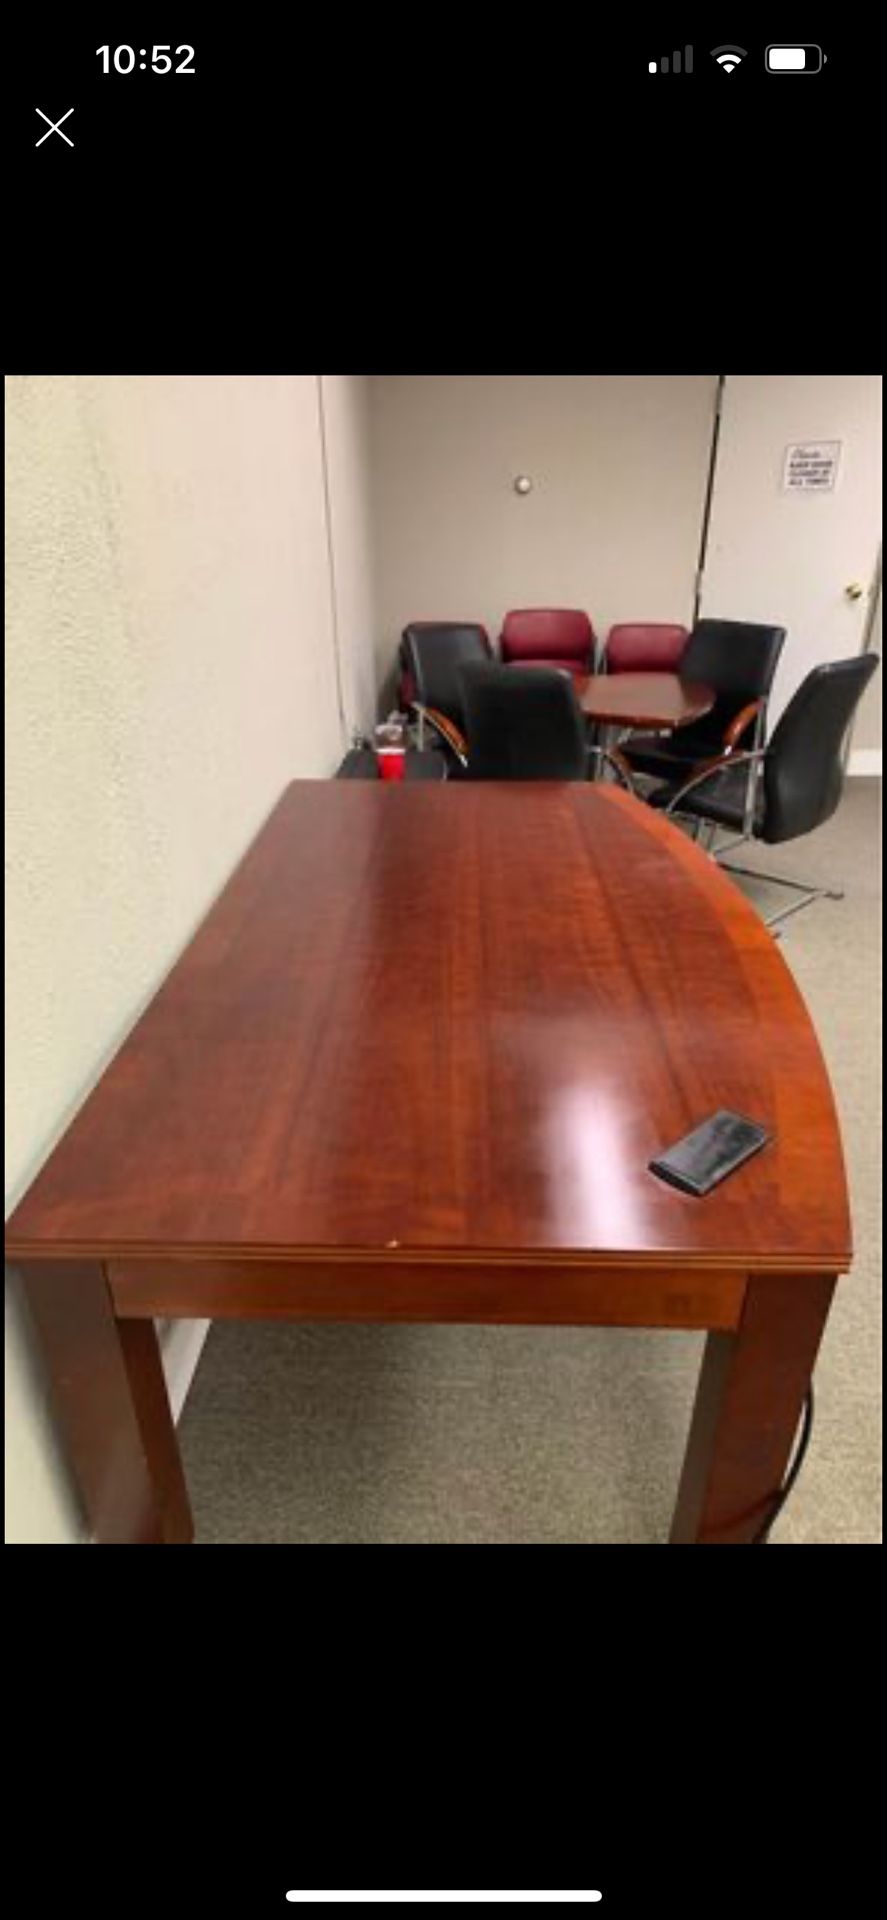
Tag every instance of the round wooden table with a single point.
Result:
(658, 700)
(620, 702)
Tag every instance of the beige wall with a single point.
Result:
(170, 666)
(619, 466)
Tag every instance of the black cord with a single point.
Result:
(760, 1538)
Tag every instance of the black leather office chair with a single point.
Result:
(524, 723)
(798, 779)
(432, 652)
(738, 658)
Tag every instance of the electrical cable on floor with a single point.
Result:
(760, 1538)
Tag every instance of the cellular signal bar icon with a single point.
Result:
(678, 63)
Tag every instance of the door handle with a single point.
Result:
(854, 591)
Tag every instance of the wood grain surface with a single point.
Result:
(413, 1066)
(507, 1292)
(456, 1019)
(110, 1402)
(748, 1405)
(643, 699)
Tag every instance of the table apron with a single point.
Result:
(520, 1293)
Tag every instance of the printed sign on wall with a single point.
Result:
(811, 466)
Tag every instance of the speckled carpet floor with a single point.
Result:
(471, 1434)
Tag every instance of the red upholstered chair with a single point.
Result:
(645, 648)
(548, 637)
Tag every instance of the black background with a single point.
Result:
(434, 185)
(198, 1732)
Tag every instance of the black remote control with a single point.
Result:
(707, 1155)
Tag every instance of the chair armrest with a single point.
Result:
(447, 729)
(740, 724)
(725, 761)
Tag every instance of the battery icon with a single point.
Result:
(804, 59)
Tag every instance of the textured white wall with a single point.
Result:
(346, 432)
(169, 667)
(619, 467)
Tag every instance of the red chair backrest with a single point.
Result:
(547, 633)
(651, 647)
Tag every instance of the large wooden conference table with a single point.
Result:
(412, 1067)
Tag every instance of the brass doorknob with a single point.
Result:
(854, 591)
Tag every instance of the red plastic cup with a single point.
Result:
(392, 763)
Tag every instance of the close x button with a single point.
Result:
(55, 126)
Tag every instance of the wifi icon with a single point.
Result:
(728, 57)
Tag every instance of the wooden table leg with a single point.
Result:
(112, 1407)
(748, 1405)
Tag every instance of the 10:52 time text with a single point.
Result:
(124, 59)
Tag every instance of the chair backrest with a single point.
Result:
(738, 658)
(733, 656)
(651, 647)
(548, 633)
(803, 768)
(523, 723)
(432, 652)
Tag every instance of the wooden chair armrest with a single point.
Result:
(447, 729)
(740, 724)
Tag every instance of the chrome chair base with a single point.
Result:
(797, 886)
(752, 873)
